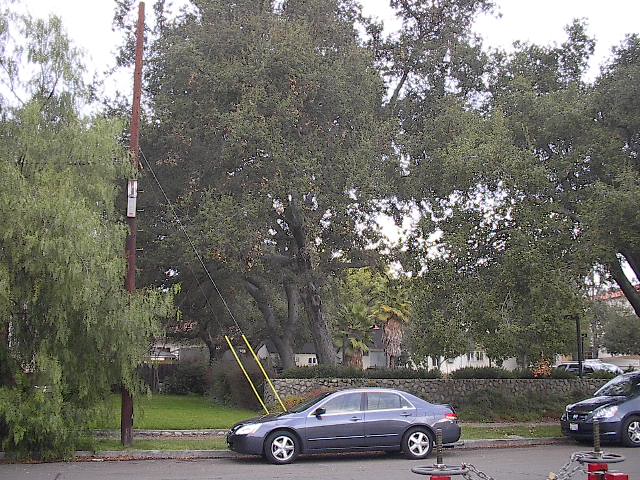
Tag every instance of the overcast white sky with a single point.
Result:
(537, 21)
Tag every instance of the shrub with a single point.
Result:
(189, 378)
(523, 373)
(324, 371)
(603, 374)
(339, 371)
(403, 373)
(294, 400)
(38, 424)
(481, 372)
(561, 373)
(542, 369)
(490, 405)
(229, 386)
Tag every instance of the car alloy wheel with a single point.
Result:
(281, 447)
(631, 432)
(418, 443)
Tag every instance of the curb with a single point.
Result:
(117, 455)
(512, 443)
(216, 432)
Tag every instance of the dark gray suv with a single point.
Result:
(348, 420)
(616, 406)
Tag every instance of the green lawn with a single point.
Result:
(175, 412)
(486, 433)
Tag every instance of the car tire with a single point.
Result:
(417, 443)
(631, 431)
(281, 447)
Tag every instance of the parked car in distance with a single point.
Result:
(616, 406)
(589, 367)
(367, 419)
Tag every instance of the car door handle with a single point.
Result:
(405, 414)
(355, 419)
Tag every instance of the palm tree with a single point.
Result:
(353, 333)
(394, 313)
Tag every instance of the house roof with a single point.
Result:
(269, 345)
(306, 349)
(613, 294)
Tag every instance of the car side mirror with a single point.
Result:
(319, 411)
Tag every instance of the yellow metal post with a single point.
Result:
(246, 374)
(255, 357)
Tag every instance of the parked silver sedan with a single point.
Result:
(365, 419)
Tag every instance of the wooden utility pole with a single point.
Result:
(126, 410)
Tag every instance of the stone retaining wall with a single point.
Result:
(441, 390)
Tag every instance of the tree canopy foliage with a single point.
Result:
(267, 130)
(69, 331)
(281, 129)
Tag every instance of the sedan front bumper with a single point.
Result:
(250, 444)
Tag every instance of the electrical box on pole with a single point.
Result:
(132, 196)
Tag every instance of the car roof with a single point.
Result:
(371, 389)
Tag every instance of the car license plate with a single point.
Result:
(573, 426)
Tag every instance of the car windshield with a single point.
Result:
(303, 406)
(622, 385)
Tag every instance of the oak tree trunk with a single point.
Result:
(625, 285)
(280, 335)
(309, 290)
(320, 332)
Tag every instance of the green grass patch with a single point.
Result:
(495, 406)
(491, 433)
(208, 443)
(174, 412)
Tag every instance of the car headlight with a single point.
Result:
(605, 412)
(248, 429)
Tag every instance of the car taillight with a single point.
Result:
(451, 416)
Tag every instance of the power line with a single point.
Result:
(187, 294)
(193, 247)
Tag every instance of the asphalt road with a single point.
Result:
(501, 464)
